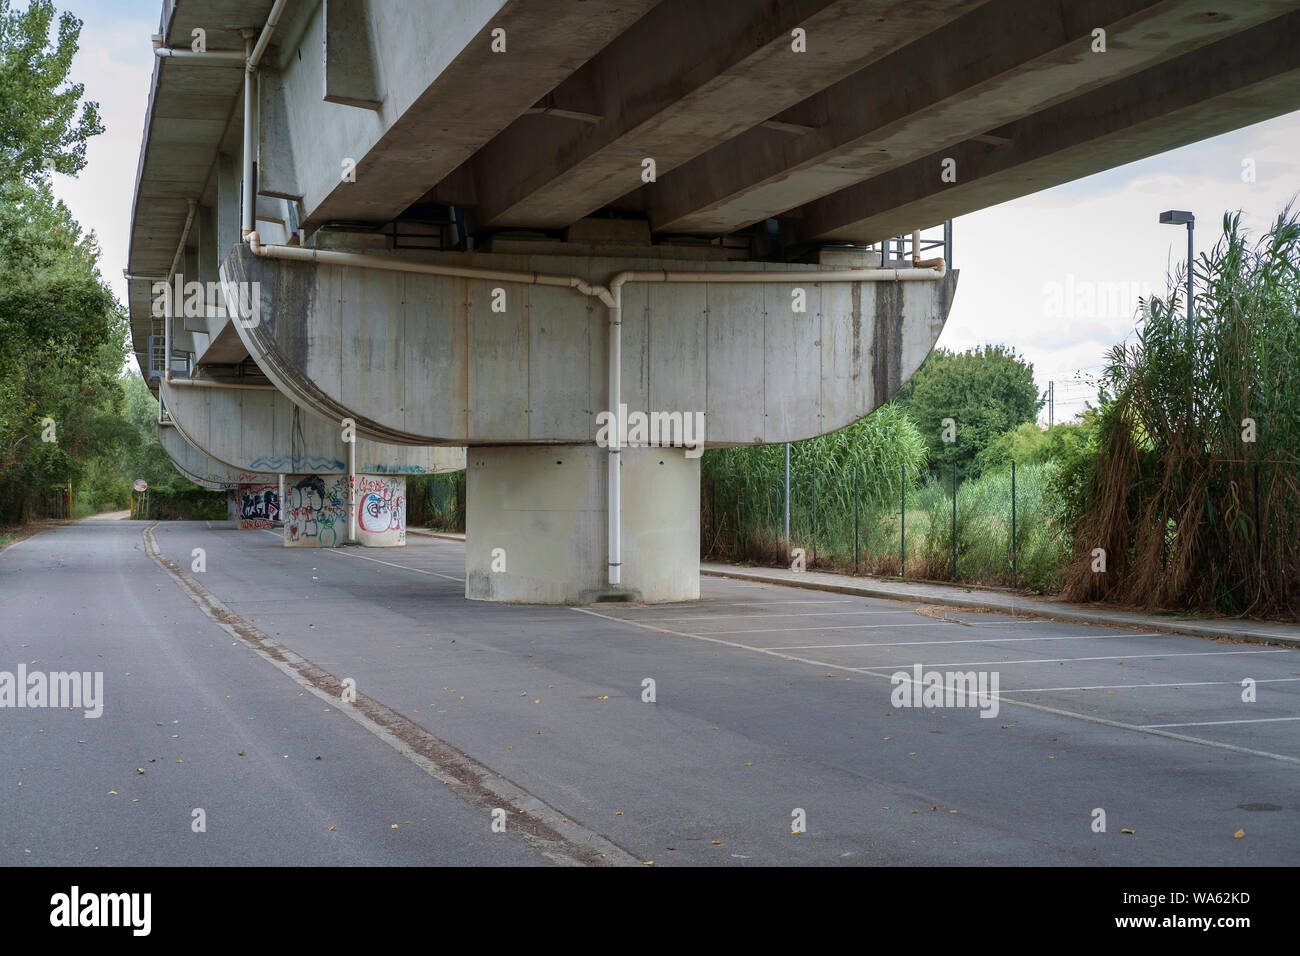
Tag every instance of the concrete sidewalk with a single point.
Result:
(1259, 632)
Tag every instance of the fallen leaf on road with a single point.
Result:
(1239, 834)
(1127, 830)
(112, 793)
(717, 843)
(333, 828)
(618, 813)
(139, 769)
(241, 753)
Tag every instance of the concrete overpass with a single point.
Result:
(498, 225)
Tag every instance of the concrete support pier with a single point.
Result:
(537, 531)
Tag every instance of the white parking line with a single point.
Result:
(1117, 657)
(1198, 683)
(696, 605)
(829, 627)
(403, 567)
(973, 640)
(1215, 723)
(1042, 708)
(706, 617)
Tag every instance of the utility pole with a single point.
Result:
(1051, 404)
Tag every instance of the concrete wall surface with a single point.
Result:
(536, 524)
(260, 430)
(435, 359)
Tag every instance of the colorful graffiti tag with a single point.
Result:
(316, 512)
(259, 506)
(381, 510)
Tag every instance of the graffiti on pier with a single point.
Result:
(259, 506)
(297, 463)
(316, 511)
(381, 509)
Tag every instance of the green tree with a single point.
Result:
(985, 392)
(40, 125)
(1033, 444)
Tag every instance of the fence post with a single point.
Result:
(713, 513)
(902, 529)
(740, 519)
(855, 521)
(1259, 539)
(954, 521)
(1014, 574)
(814, 521)
(787, 496)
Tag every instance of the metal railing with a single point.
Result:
(936, 241)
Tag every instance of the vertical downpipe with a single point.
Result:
(248, 136)
(352, 490)
(616, 441)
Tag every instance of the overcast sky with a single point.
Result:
(1028, 267)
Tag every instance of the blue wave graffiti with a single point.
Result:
(295, 463)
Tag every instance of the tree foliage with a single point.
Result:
(985, 392)
(44, 124)
(62, 334)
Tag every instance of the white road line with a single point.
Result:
(390, 564)
(973, 640)
(830, 627)
(403, 567)
(696, 605)
(1116, 657)
(1216, 723)
(1042, 708)
(760, 616)
(1198, 683)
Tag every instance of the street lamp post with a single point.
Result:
(1177, 217)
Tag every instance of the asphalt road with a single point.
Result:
(768, 701)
